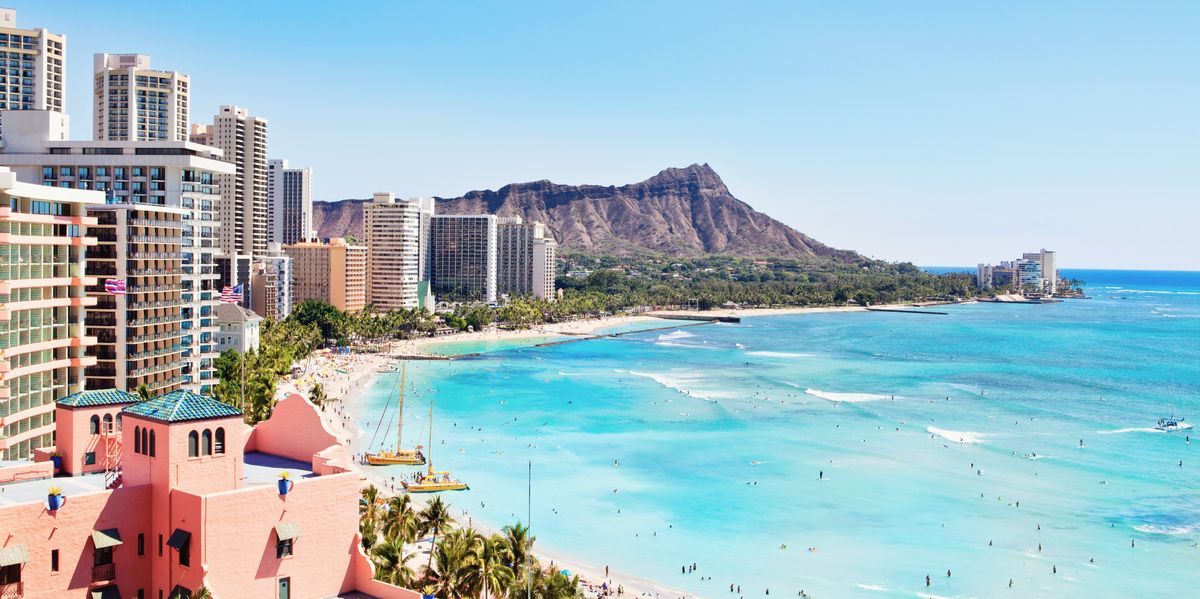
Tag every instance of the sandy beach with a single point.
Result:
(574, 328)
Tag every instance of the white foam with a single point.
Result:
(675, 335)
(872, 587)
(1166, 530)
(683, 383)
(845, 397)
(1143, 429)
(1161, 292)
(777, 354)
(956, 436)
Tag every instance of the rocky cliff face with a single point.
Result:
(682, 211)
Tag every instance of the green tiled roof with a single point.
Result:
(98, 397)
(182, 406)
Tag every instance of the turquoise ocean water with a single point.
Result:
(706, 444)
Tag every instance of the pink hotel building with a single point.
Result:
(165, 496)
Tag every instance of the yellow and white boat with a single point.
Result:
(401, 457)
(433, 481)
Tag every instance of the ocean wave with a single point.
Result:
(687, 345)
(844, 397)
(872, 587)
(778, 354)
(1173, 530)
(685, 384)
(1142, 429)
(675, 335)
(1161, 292)
(965, 437)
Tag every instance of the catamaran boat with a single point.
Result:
(433, 481)
(399, 456)
(1171, 424)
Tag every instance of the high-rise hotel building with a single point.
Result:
(140, 331)
(462, 257)
(334, 272)
(43, 235)
(290, 209)
(173, 174)
(525, 258)
(32, 67)
(391, 228)
(138, 103)
(242, 139)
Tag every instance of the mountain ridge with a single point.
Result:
(685, 211)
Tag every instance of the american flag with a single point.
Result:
(232, 295)
(115, 286)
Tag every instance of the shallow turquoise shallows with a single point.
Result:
(849, 454)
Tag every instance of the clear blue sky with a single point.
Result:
(937, 132)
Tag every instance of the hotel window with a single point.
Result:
(283, 548)
(141, 543)
(151, 443)
(145, 441)
(193, 444)
(94, 425)
(54, 560)
(206, 442)
(220, 447)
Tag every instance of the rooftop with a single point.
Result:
(182, 406)
(98, 397)
(264, 468)
(37, 489)
(235, 313)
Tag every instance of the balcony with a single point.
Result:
(12, 590)
(104, 573)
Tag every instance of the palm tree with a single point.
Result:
(368, 505)
(520, 548)
(451, 577)
(391, 563)
(435, 517)
(202, 593)
(553, 584)
(143, 391)
(491, 564)
(317, 395)
(369, 532)
(402, 520)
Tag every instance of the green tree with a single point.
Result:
(435, 517)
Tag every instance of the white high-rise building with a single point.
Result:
(1046, 265)
(242, 139)
(289, 209)
(138, 103)
(525, 255)
(983, 276)
(391, 229)
(156, 173)
(34, 67)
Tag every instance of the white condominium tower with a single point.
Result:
(289, 210)
(32, 67)
(525, 255)
(391, 229)
(138, 103)
(243, 208)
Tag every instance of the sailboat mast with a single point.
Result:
(430, 436)
(400, 422)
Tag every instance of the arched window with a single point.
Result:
(95, 424)
(220, 448)
(206, 442)
(108, 423)
(151, 443)
(145, 441)
(119, 421)
(193, 444)
(137, 439)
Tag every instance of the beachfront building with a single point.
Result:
(1029, 273)
(138, 103)
(176, 493)
(239, 328)
(242, 208)
(159, 173)
(289, 207)
(391, 229)
(271, 283)
(462, 257)
(525, 254)
(1045, 260)
(1005, 277)
(138, 315)
(334, 272)
(44, 233)
(983, 276)
(34, 67)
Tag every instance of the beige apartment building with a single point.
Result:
(391, 228)
(134, 102)
(333, 272)
(525, 255)
(33, 67)
(44, 232)
(243, 209)
(140, 331)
